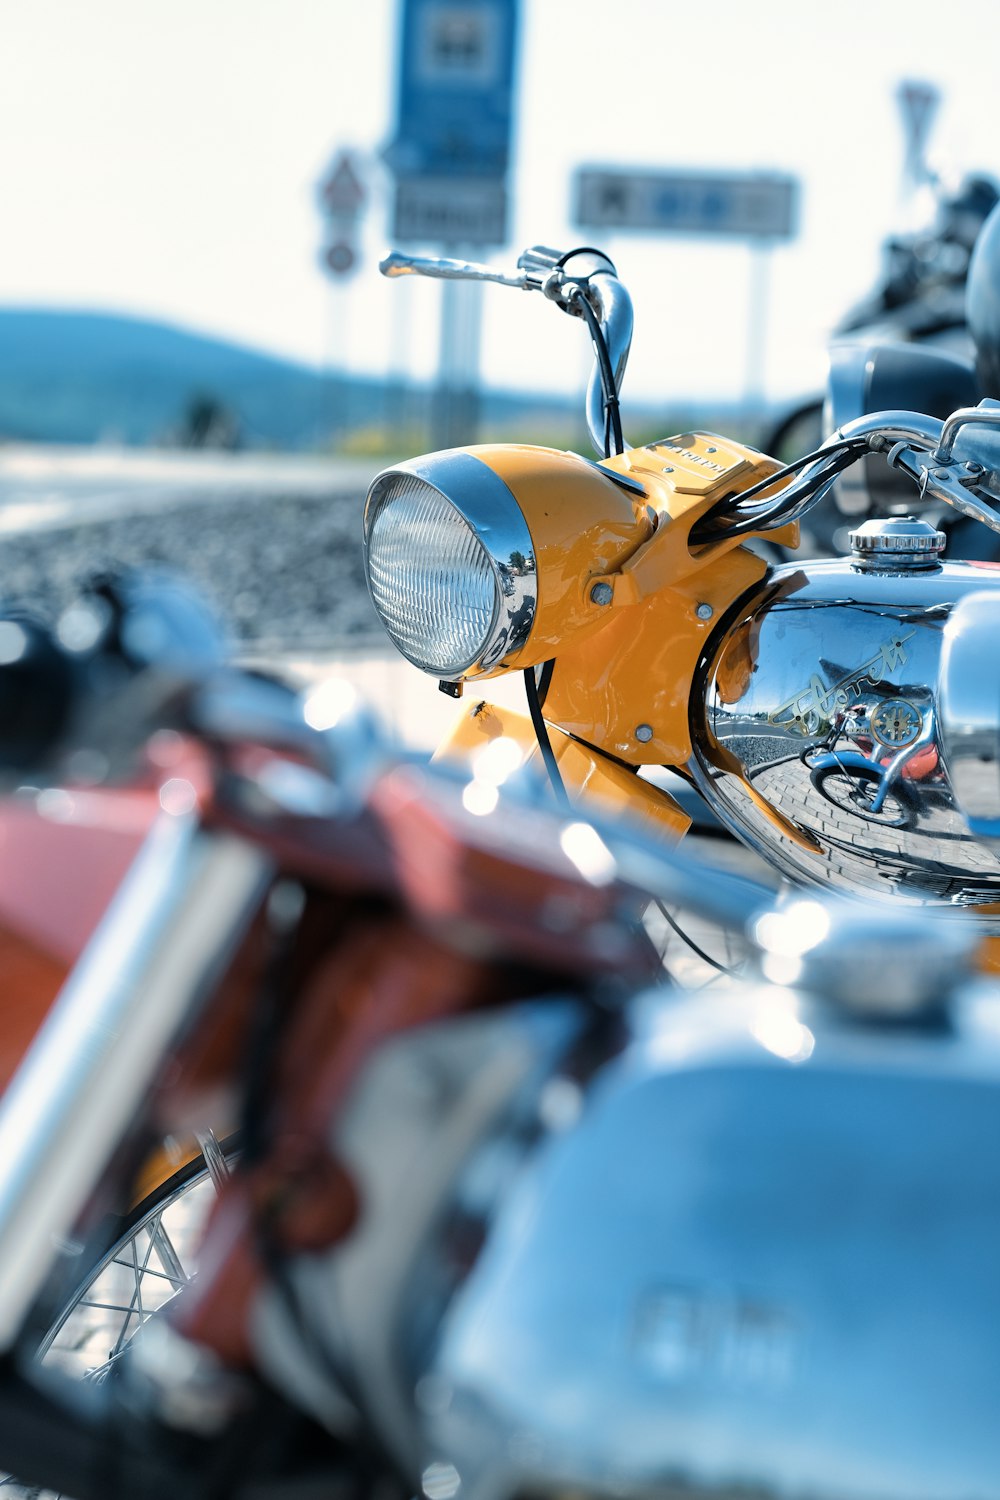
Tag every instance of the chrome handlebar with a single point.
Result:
(565, 279)
(443, 269)
(965, 416)
(614, 312)
(919, 446)
(922, 447)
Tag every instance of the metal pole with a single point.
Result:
(456, 396)
(336, 414)
(757, 316)
(398, 405)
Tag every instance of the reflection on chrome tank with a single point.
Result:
(818, 744)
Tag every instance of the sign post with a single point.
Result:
(449, 156)
(342, 197)
(918, 103)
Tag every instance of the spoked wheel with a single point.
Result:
(151, 1259)
(855, 791)
(149, 1262)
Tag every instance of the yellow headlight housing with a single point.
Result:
(472, 553)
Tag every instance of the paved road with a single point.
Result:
(59, 487)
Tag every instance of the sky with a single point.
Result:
(161, 157)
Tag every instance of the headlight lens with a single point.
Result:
(442, 579)
(430, 578)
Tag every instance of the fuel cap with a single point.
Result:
(897, 544)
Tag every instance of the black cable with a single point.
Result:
(612, 410)
(705, 957)
(569, 255)
(853, 445)
(544, 678)
(709, 529)
(542, 736)
(848, 451)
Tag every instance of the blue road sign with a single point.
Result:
(450, 211)
(456, 79)
(743, 205)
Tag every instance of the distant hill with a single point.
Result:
(86, 377)
(81, 376)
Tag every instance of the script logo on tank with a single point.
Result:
(813, 707)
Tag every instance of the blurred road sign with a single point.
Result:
(741, 205)
(450, 211)
(342, 193)
(340, 257)
(454, 96)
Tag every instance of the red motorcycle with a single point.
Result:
(508, 1216)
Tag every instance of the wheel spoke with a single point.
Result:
(169, 1259)
(176, 1279)
(116, 1307)
(136, 1295)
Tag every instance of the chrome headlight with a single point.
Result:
(449, 563)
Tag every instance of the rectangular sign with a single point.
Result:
(741, 205)
(455, 88)
(450, 211)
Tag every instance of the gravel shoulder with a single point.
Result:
(284, 571)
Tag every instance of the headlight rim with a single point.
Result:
(491, 511)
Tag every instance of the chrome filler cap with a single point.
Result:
(897, 544)
(837, 952)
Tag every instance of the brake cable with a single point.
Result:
(542, 736)
(612, 407)
(726, 519)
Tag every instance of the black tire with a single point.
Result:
(853, 790)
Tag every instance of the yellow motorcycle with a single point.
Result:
(650, 633)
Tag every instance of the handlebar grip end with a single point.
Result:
(395, 264)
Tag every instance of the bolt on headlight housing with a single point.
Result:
(466, 549)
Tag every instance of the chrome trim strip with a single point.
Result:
(488, 506)
(163, 941)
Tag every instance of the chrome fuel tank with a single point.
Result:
(815, 729)
(762, 1263)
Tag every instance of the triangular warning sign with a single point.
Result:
(342, 192)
